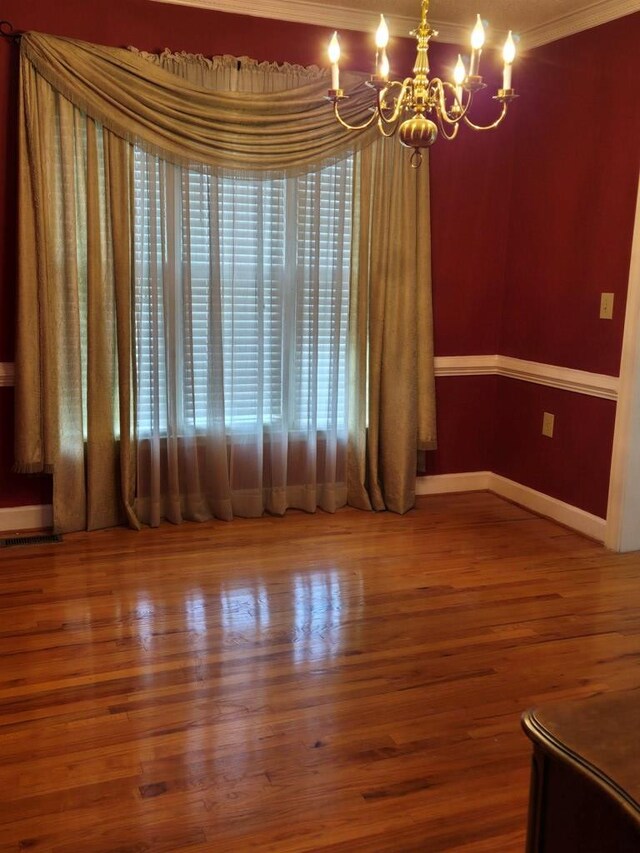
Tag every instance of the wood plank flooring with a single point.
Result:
(314, 683)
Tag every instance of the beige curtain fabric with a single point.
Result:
(392, 387)
(185, 123)
(236, 74)
(73, 360)
(83, 109)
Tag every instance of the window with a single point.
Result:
(242, 298)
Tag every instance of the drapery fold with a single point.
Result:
(392, 380)
(74, 311)
(83, 109)
(234, 73)
(184, 123)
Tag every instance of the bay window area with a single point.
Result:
(241, 331)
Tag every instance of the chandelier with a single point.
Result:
(404, 107)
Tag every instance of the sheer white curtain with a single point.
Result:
(241, 326)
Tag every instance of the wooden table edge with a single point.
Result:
(542, 737)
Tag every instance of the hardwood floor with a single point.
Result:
(333, 683)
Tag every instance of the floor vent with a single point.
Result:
(30, 540)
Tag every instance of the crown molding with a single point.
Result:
(335, 17)
(6, 374)
(331, 17)
(575, 22)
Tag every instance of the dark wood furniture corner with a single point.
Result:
(585, 775)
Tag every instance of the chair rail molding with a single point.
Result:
(552, 375)
(466, 365)
(7, 374)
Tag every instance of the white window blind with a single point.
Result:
(242, 297)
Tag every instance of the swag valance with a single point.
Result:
(186, 124)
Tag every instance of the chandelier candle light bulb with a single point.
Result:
(418, 108)
(382, 40)
(508, 54)
(477, 40)
(384, 66)
(334, 59)
(459, 76)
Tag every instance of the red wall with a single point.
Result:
(470, 192)
(576, 161)
(466, 414)
(577, 153)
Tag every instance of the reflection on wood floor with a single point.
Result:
(334, 683)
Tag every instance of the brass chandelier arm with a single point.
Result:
(383, 125)
(364, 126)
(387, 117)
(437, 94)
(488, 126)
(455, 117)
(401, 102)
(449, 136)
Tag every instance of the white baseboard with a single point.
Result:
(567, 514)
(441, 484)
(25, 518)
(564, 513)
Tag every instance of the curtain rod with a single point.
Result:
(7, 32)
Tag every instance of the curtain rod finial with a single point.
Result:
(8, 32)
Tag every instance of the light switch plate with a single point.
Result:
(606, 306)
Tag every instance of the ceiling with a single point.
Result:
(536, 22)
